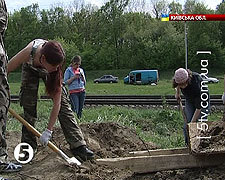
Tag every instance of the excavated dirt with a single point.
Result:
(106, 140)
(216, 142)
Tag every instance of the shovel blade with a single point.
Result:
(73, 161)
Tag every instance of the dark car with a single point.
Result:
(107, 79)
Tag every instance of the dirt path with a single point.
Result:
(106, 140)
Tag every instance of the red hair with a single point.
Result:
(54, 54)
(54, 81)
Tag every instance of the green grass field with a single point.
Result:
(164, 86)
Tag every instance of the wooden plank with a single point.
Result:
(183, 150)
(193, 133)
(206, 141)
(146, 164)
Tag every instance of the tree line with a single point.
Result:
(122, 34)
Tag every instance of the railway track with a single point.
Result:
(141, 100)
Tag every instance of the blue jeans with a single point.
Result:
(77, 102)
(189, 112)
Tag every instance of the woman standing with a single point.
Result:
(189, 83)
(75, 79)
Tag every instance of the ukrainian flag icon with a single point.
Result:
(165, 17)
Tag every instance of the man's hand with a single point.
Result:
(223, 98)
(45, 137)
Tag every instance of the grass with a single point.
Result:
(160, 126)
(44, 109)
(164, 86)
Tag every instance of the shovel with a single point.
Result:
(70, 161)
(185, 119)
(182, 112)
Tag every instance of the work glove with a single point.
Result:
(223, 98)
(45, 137)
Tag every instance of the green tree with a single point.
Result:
(175, 8)
(221, 10)
(70, 49)
(204, 36)
(23, 27)
(168, 50)
(136, 36)
(112, 17)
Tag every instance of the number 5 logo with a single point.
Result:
(23, 153)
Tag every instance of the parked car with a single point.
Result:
(142, 77)
(209, 79)
(107, 79)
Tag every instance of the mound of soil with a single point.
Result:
(216, 141)
(106, 140)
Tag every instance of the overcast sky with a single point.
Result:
(45, 4)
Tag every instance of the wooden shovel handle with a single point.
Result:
(186, 123)
(182, 111)
(32, 129)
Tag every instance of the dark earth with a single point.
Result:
(216, 130)
(106, 140)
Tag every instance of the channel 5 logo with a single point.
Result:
(23, 153)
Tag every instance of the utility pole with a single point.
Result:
(186, 45)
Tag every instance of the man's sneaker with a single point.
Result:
(83, 153)
(2, 178)
(9, 167)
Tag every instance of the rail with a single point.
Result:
(131, 99)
